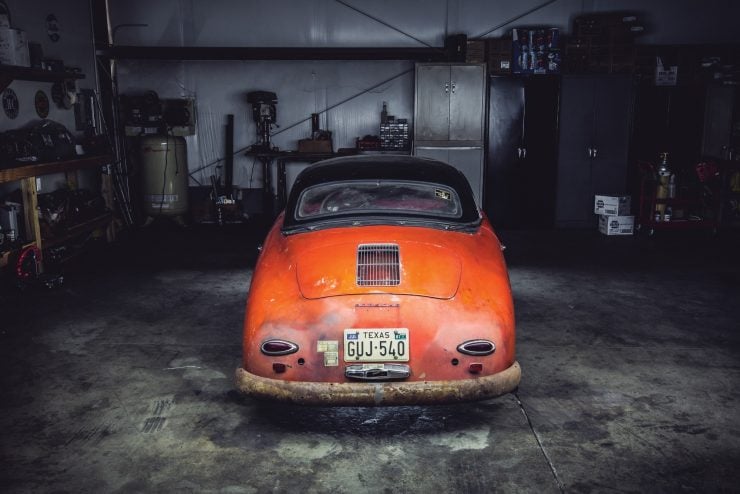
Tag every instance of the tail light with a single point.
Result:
(475, 368)
(278, 347)
(477, 347)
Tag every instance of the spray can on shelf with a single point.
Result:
(664, 176)
(672, 186)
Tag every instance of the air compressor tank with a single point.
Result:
(164, 175)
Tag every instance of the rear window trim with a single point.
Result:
(389, 213)
(349, 222)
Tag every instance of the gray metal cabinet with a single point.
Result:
(432, 108)
(720, 101)
(449, 113)
(450, 102)
(595, 113)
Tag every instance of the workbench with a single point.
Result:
(27, 173)
(273, 204)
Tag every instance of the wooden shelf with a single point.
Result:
(26, 174)
(33, 170)
(9, 73)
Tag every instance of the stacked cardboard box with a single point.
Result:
(614, 214)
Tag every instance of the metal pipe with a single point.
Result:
(123, 52)
(380, 21)
(229, 151)
(516, 18)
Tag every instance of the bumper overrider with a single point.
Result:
(379, 393)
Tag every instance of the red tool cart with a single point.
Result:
(692, 202)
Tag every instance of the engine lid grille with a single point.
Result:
(378, 265)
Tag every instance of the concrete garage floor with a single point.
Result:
(121, 381)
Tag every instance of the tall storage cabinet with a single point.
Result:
(449, 112)
(594, 144)
(669, 119)
(521, 163)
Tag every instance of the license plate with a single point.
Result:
(376, 345)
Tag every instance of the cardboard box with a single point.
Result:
(616, 225)
(14, 47)
(475, 51)
(666, 76)
(314, 146)
(499, 64)
(7, 46)
(22, 57)
(612, 205)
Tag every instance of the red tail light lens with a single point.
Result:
(278, 347)
(477, 347)
(475, 368)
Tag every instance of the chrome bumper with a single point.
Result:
(381, 393)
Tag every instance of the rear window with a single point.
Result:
(384, 197)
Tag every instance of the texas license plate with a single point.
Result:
(376, 345)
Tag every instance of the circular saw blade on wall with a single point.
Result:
(41, 101)
(10, 103)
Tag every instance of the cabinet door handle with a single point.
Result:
(590, 152)
(519, 153)
(454, 86)
(447, 87)
(594, 151)
(524, 153)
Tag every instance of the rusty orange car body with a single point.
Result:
(380, 284)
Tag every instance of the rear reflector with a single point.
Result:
(278, 367)
(475, 368)
(477, 347)
(278, 347)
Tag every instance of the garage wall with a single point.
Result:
(306, 87)
(74, 47)
(302, 88)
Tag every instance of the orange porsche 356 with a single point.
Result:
(382, 283)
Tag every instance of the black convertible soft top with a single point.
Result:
(383, 167)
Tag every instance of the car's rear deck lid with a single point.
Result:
(407, 268)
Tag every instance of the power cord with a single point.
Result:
(166, 159)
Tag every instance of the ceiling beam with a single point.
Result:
(119, 52)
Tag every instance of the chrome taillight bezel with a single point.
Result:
(478, 353)
(291, 347)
